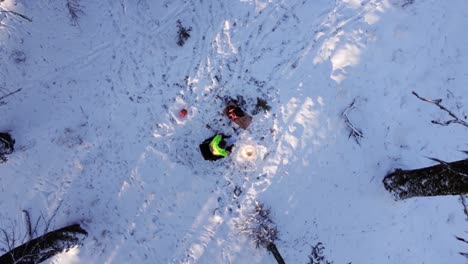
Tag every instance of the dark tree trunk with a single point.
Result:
(45, 246)
(7, 140)
(272, 248)
(7, 144)
(443, 179)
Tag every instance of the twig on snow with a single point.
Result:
(16, 14)
(75, 10)
(6, 239)
(441, 162)
(49, 221)
(355, 132)
(465, 206)
(465, 241)
(437, 102)
(28, 224)
(447, 165)
(4, 93)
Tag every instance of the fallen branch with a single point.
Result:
(16, 14)
(8, 93)
(75, 10)
(48, 222)
(355, 132)
(465, 206)
(462, 240)
(437, 102)
(28, 224)
(4, 95)
(447, 165)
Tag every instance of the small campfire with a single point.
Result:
(248, 152)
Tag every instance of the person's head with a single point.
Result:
(222, 144)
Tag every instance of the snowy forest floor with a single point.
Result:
(97, 127)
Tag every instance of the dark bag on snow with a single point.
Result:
(233, 112)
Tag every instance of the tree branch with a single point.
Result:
(6, 237)
(465, 207)
(437, 102)
(16, 14)
(447, 165)
(48, 222)
(75, 10)
(8, 93)
(355, 132)
(28, 224)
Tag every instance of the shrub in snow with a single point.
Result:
(465, 210)
(262, 230)
(261, 105)
(183, 33)
(75, 10)
(317, 256)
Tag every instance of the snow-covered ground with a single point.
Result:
(97, 127)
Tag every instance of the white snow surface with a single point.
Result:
(97, 127)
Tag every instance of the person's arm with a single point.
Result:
(231, 140)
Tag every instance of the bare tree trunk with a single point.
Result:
(7, 144)
(272, 248)
(45, 246)
(443, 179)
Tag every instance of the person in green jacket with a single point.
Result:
(216, 147)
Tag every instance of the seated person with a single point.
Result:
(216, 147)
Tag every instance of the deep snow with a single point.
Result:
(97, 126)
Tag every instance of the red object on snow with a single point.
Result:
(183, 113)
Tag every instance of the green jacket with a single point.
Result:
(215, 149)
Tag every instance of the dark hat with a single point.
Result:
(222, 144)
